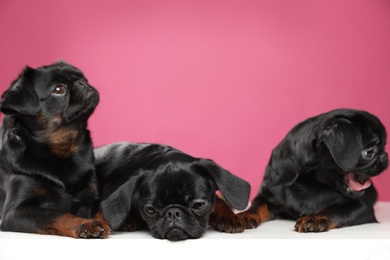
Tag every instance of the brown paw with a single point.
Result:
(230, 223)
(312, 224)
(250, 220)
(93, 228)
(72, 226)
(223, 218)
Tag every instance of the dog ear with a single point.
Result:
(234, 189)
(116, 206)
(344, 141)
(20, 97)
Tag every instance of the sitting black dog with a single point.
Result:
(47, 176)
(319, 175)
(163, 189)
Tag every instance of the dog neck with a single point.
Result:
(63, 141)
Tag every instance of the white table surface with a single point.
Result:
(271, 240)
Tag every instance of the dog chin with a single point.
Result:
(176, 234)
(173, 234)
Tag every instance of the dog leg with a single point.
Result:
(224, 219)
(257, 213)
(53, 222)
(72, 226)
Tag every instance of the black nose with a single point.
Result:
(383, 157)
(173, 214)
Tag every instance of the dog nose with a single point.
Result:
(173, 214)
(81, 83)
(383, 157)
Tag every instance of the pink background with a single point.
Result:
(223, 79)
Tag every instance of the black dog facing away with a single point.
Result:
(47, 176)
(157, 187)
(319, 175)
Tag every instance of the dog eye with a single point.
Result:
(59, 90)
(149, 209)
(198, 206)
(369, 153)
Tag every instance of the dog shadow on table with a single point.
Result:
(163, 190)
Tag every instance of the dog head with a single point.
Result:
(57, 91)
(53, 102)
(176, 198)
(356, 142)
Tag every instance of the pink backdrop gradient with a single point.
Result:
(224, 80)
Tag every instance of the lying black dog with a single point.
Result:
(158, 187)
(47, 176)
(320, 174)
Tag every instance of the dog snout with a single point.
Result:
(81, 83)
(173, 214)
(383, 157)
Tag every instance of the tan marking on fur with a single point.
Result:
(72, 226)
(63, 141)
(263, 212)
(40, 191)
(100, 216)
(224, 219)
(255, 215)
(332, 225)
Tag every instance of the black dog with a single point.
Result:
(320, 175)
(47, 176)
(158, 187)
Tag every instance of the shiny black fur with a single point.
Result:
(46, 154)
(306, 175)
(163, 189)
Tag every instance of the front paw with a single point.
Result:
(93, 228)
(223, 218)
(251, 220)
(312, 224)
(229, 223)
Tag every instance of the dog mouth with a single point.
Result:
(176, 234)
(356, 183)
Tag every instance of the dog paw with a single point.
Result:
(251, 221)
(312, 224)
(93, 229)
(223, 219)
(228, 224)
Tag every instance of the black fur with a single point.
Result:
(307, 176)
(46, 156)
(163, 189)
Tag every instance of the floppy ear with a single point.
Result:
(234, 189)
(20, 97)
(116, 206)
(344, 141)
